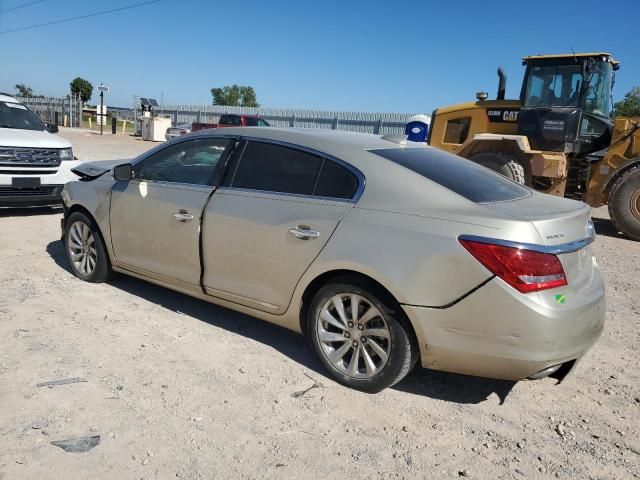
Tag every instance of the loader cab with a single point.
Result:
(566, 102)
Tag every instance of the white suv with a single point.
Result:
(34, 163)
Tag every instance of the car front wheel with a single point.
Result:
(85, 249)
(359, 338)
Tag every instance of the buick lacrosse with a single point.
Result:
(384, 253)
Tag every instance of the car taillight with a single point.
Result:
(525, 270)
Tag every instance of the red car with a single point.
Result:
(230, 120)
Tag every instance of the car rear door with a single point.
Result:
(155, 217)
(276, 209)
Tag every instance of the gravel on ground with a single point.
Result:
(160, 385)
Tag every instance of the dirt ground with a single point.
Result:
(177, 387)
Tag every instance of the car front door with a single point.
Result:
(276, 209)
(155, 217)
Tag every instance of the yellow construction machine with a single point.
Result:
(559, 137)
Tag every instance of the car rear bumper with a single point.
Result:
(499, 333)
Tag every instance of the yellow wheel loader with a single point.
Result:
(558, 137)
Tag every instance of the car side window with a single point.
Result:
(336, 181)
(192, 162)
(276, 168)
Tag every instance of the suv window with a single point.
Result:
(274, 168)
(462, 176)
(336, 181)
(457, 130)
(191, 162)
(230, 120)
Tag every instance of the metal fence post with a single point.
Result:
(378, 128)
(335, 123)
(292, 122)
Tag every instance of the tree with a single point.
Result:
(235, 95)
(23, 90)
(81, 87)
(630, 105)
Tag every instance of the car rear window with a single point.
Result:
(472, 181)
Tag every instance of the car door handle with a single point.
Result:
(304, 233)
(183, 216)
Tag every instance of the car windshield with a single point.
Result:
(462, 176)
(15, 115)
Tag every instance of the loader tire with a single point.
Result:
(503, 163)
(624, 204)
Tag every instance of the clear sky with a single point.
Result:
(383, 56)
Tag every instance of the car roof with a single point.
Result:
(332, 142)
(240, 115)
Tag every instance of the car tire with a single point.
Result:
(624, 204)
(503, 163)
(85, 249)
(370, 352)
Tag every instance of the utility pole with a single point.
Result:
(101, 109)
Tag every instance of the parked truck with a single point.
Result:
(232, 120)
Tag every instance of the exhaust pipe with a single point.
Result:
(502, 84)
(545, 372)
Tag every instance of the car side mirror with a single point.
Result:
(123, 172)
(51, 127)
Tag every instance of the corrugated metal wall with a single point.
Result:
(368, 122)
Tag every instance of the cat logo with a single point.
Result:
(503, 115)
(510, 115)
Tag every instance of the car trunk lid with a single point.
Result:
(565, 229)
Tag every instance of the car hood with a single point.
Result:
(12, 137)
(93, 170)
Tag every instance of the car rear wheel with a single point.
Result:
(359, 339)
(624, 204)
(85, 249)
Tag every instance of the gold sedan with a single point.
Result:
(385, 253)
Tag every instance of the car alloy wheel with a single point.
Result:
(353, 336)
(82, 248)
